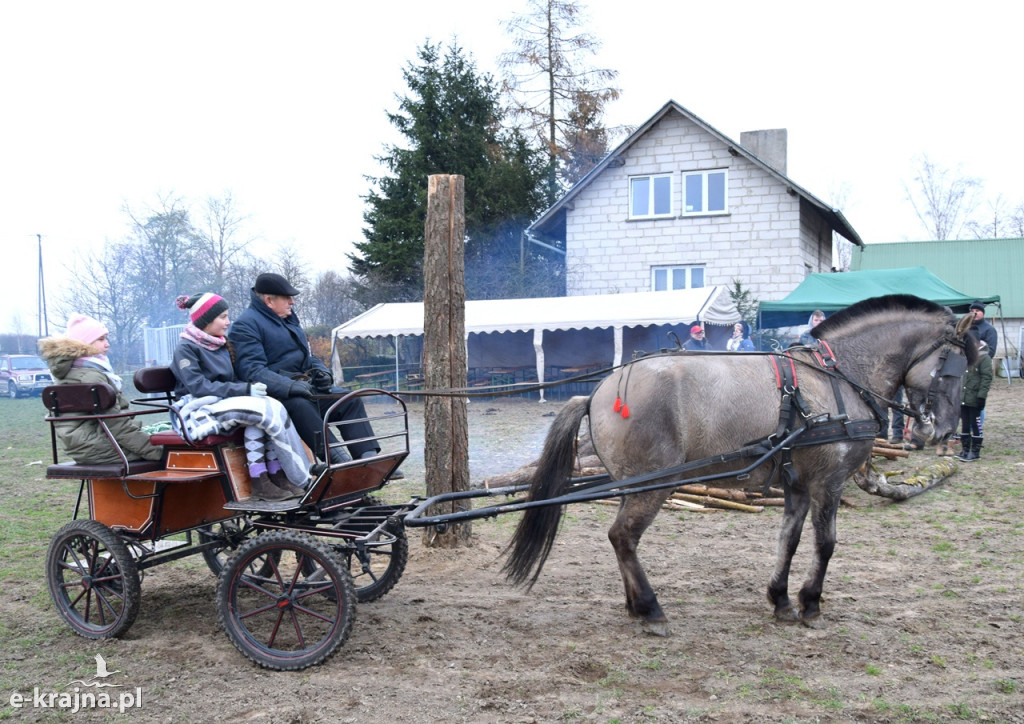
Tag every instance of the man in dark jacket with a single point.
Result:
(985, 331)
(272, 348)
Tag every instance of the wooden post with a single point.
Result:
(446, 429)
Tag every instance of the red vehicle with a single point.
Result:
(23, 374)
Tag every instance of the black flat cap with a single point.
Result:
(274, 284)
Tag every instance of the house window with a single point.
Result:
(650, 196)
(705, 192)
(664, 278)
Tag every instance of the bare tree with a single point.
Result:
(331, 301)
(221, 257)
(943, 200)
(998, 221)
(553, 90)
(107, 288)
(164, 258)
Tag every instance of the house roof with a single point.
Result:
(978, 267)
(711, 305)
(553, 220)
(831, 292)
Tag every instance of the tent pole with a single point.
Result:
(618, 347)
(538, 350)
(397, 388)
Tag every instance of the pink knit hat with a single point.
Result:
(202, 308)
(85, 329)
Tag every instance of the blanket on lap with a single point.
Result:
(210, 415)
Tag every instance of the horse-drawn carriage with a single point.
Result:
(286, 596)
(289, 572)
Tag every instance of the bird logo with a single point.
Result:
(101, 673)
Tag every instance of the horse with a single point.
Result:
(812, 412)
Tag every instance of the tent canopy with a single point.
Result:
(831, 292)
(711, 305)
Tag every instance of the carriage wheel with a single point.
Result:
(376, 566)
(289, 618)
(232, 533)
(93, 579)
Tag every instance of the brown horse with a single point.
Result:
(693, 406)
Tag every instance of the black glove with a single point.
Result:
(980, 403)
(298, 388)
(322, 380)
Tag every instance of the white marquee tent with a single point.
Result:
(557, 330)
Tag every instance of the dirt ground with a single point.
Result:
(923, 617)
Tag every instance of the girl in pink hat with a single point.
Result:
(81, 356)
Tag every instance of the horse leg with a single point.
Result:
(797, 504)
(823, 518)
(635, 514)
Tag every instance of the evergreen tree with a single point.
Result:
(451, 120)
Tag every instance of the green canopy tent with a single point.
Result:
(831, 292)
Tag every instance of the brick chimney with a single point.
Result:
(768, 145)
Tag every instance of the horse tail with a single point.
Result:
(536, 531)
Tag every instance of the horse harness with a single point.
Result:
(826, 428)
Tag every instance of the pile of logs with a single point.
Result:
(887, 449)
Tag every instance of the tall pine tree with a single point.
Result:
(451, 120)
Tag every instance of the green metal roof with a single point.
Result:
(980, 268)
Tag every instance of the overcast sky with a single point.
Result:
(283, 105)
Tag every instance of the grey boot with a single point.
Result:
(965, 451)
(281, 480)
(263, 488)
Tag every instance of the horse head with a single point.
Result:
(933, 380)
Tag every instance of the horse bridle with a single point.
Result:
(948, 366)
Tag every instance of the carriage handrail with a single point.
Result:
(590, 488)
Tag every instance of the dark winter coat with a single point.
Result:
(83, 440)
(201, 372)
(976, 382)
(271, 350)
(987, 334)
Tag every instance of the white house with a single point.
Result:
(679, 205)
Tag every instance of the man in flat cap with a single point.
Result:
(271, 348)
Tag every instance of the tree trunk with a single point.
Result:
(446, 432)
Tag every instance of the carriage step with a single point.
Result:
(265, 506)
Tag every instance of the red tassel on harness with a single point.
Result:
(618, 404)
(625, 411)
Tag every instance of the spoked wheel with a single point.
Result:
(232, 533)
(376, 566)
(296, 615)
(93, 579)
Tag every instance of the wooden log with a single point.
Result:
(724, 493)
(890, 453)
(708, 501)
(872, 481)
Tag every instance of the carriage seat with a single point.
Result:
(80, 471)
(161, 381)
(75, 401)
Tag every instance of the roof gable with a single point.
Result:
(553, 219)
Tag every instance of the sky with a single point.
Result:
(108, 105)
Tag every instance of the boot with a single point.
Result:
(976, 441)
(263, 488)
(965, 452)
(281, 480)
(339, 455)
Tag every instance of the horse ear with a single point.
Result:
(964, 324)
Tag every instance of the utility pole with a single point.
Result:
(44, 324)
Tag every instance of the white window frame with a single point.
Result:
(672, 272)
(704, 175)
(651, 198)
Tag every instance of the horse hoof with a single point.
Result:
(657, 628)
(812, 621)
(787, 615)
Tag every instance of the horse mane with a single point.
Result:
(902, 304)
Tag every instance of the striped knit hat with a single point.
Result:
(202, 308)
